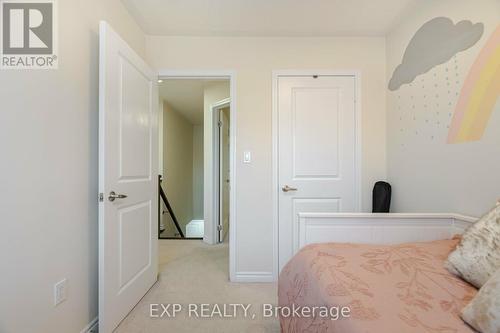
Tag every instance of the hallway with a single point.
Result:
(194, 272)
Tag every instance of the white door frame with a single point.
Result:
(231, 76)
(275, 125)
(217, 209)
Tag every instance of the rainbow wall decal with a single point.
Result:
(479, 94)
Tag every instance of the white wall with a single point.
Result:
(48, 176)
(198, 172)
(214, 92)
(427, 174)
(253, 60)
(178, 164)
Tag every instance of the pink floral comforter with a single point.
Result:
(388, 288)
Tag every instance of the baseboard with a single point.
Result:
(92, 327)
(254, 277)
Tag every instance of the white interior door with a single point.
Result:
(317, 152)
(224, 185)
(128, 166)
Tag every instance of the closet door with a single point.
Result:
(317, 152)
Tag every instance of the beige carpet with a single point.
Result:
(193, 272)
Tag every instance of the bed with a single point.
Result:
(388, 288)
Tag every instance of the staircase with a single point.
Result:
(163, 197)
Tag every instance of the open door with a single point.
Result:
(128, 176)
(224, 177)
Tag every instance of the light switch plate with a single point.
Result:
(60, 292)
(247, 157)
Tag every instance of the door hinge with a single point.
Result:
(219, 227)
(101, 197)
(219, 123)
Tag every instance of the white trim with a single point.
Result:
(462, 222)
(359, 139)
(458, 221)
(275, 165)
(275, 178)
(464, 218)
(375, 228)
(196, 74)
(216, 168)
(231, 75)
(232, 180)
(92, 326)
(252, 277)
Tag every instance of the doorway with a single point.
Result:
(317, 149)
(181, 142)
(213, 206)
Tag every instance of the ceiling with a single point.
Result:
(185, 96)
(268, 17)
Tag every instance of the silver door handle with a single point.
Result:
(112, 196)
(287, 188)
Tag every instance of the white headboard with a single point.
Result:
(378, 228)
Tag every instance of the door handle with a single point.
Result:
(112, 196)
(287, 188)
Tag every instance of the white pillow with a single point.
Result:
(477, 256)
(483, 312)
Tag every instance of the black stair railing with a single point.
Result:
(163, 197)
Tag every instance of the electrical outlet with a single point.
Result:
(60, 292)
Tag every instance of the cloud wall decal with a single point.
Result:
(436, 42)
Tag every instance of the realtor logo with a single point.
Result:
(28, 34)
